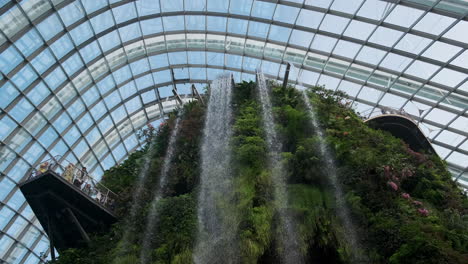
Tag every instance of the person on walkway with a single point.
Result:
(98, 196)
(43, 167)
(87, 188)
(68, 173)
(80, 177)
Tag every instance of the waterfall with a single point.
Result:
(152, 217)
(288, 238)
(330, 167)
(136, 204)
(216, 240)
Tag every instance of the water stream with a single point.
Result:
(216, 239)
(330, 167)
(152, 217)
(136, 203)
(287, 235)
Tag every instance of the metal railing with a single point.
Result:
(382, 110)
(78, 177)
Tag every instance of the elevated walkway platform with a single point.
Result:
(69, 206)
(404, 128)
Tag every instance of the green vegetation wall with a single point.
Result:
(404, 205)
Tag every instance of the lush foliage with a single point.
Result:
(411, 209)
(253, 184)
(177, 210)
(405, 207)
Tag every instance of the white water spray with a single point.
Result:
(217, 226)
(288, 238)
(152, 218)
(136, 204)
(331, 171)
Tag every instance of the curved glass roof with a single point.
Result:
(79, 78)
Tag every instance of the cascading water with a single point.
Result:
(216, 240)
(288, 238)
(136, 197)
(331, 171)
(152, 218)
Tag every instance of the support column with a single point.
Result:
(83, 233)
(50, 224)
(195, 93)
(286, 76)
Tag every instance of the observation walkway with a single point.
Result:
(403, 127)
(68, 203)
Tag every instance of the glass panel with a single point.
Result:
(258, 29)
(458, 32)
(373, 9)
(5, 243)
(5, 213)
(16, 201)
(21, 168)
(12, 21)
(92, 5)
(147, 7)
(334, 24)
(385, 36)
(48, 137)
(359, 30)
(434, 51)
(28, 43)
(124, 12)
(98, 110)
(195, 22)
(286, 14)
(43, 61)
(72, 135)
(151, 26)
(8, 93)
(403, 16)
(242, 7)
(22, 109)
(33, 153)
(172, 5)
(279, 33)
(218, 5)
(9, 59)
(17, 227)
(31, 235)
(346, 6)
(24, 77)
(62, 46)
(71, 13)
(433, 23)
(50, 26)
(36, 123)
(81, 33)
(6, 184)
(50, 108)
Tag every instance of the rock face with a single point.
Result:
(403, 205)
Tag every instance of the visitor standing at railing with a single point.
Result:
(68, 173)
(98, 196)
(87, 188)
(80, 177)
(43, 167)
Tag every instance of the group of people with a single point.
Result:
(84, 182)
(78, 178)
(45, 166)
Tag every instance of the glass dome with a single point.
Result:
(80, 78)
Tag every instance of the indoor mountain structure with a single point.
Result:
(233, 131)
